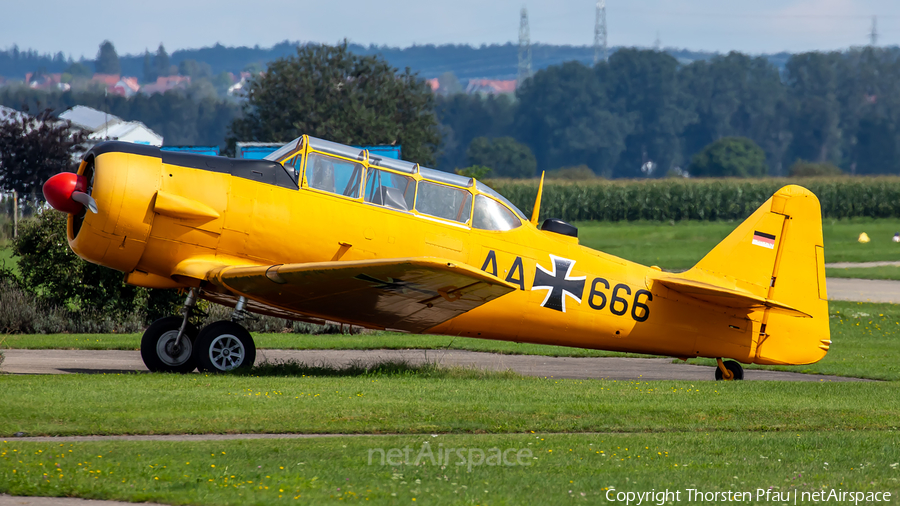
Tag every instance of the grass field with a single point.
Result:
(680, 245)
(433, 401)
(553, 469)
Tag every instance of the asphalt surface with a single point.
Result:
(863, 290)
(614, 368)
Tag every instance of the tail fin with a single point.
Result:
(778, 254)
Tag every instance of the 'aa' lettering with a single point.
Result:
(490, 261)
(516, 267)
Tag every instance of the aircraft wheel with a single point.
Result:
(158, 348)
(224, 346)
(735, 369)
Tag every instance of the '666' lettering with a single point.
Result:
(561, 284)
(618, 305)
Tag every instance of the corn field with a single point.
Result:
(698, 199)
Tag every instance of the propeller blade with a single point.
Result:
(85, 200)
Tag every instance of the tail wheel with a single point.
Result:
(224, 346)
(158, 348)
(737, 372)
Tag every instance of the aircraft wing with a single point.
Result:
(727, 297)
(411, 294)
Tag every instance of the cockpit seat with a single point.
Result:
(390, 197)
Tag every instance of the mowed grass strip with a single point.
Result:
(435, 401)
(539, 469)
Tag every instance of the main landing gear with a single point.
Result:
(172, 344)
(729, 371)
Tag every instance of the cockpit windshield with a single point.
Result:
(283, 151)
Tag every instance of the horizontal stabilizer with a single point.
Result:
(727, 297)
(411, 294)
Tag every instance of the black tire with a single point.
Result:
(735, 369)
(156, 346)
(224, 346)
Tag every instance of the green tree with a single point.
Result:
(812, 81)
(565, 115)
(78, 69)
(161, 62)
(107, 59)
(149, 70)
(465, 117)
(195, 69)
(34, 148)
(449, 84)
(645, 88)
(328, 92)
(736, 95)
(729, 157)
(505, 157)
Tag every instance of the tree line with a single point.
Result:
(642, 109)
(640, 114)
(643, 106)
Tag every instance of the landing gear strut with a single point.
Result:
(729, 371)
(167, 344)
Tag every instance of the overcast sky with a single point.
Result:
(760, 26)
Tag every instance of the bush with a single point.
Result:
(729, 157)
(802, 168)
(96, 297)
(579, 173)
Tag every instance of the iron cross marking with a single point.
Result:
(395, 285)
(558, 283)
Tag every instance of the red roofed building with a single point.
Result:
(109, 80)
(435, 85)
(166, 83)
(491, 86)
(127, 86)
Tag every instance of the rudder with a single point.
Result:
(778, 253)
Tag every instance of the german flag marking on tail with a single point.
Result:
(763, 239)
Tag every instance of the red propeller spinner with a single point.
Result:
(66, 192)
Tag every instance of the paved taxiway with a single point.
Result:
(615, 368)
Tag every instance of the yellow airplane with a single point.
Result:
(324, 232)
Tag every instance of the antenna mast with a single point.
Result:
(524, 48)
(600, 51)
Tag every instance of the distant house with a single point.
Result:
(490, 86)
(109, 80)
(127, 86)
(434, 84)
(166, 83)
(238, 87)
(102, 126)
(46, 82)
